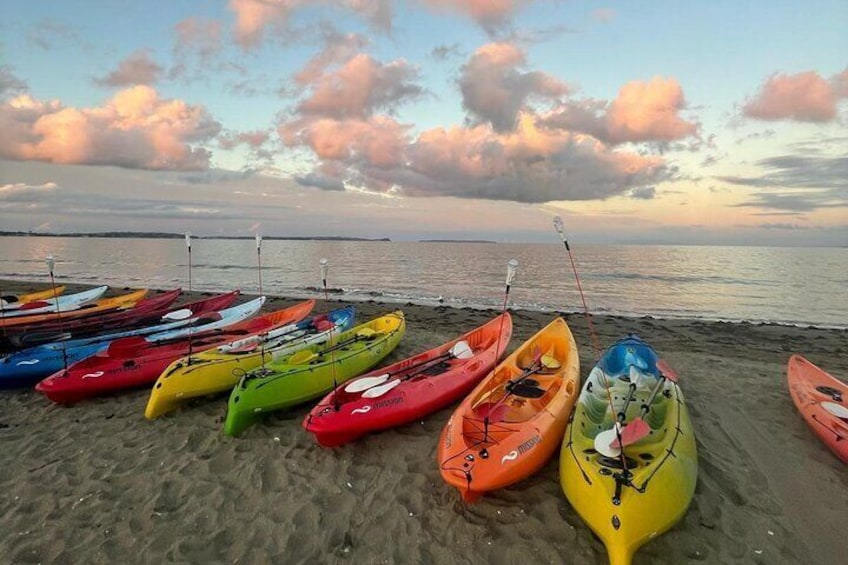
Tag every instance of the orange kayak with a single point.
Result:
(104, 305)
(822, 401)
(514, 420)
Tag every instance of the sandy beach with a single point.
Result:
(97, 483)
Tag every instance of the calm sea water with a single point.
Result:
(787, 285)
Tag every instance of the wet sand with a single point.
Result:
(97, 483)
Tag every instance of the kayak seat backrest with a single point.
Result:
(618, 359)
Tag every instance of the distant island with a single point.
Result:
(162, 235)
(456, 241)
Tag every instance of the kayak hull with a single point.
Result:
(513, 421)
(288, 382)
(813, 391)
(427, 382)
(217, 370)
(626, 503)
(131, 364)
(28, 366)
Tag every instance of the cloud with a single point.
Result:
(256, 142)
(798, 183)
(803, 97)
(138, 68)
(526, 165)
(22, 192)
(9, 83)
(253, 139)
(783, 226)
(494, 91)
(642, 112)
(360, 87)
(649, 111)
(491, 15)
(443, 52)
(48, 34)
(375, 141)
(338, 47)
(134, 129)
(644, 193)
(511, 153)
(255, 17)
(196, 35)
(320, 181)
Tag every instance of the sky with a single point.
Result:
(718, 123)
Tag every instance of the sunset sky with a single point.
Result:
(665, 122)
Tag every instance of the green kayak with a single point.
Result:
(311, 373)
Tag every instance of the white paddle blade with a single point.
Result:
(604, 441)
(258, 241)
(188, 239)
(178, 314)
(511, 267)
(559, 227)
(50, 262)
(366, 382)
(461, 350)
(379, 391)
(325, 266)
(836, 409)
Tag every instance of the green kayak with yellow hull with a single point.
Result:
(629, 461)
(312, 372)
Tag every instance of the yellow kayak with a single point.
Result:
(219, 369)
(31, 296)
(628, 496)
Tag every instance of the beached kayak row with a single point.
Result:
(626, 442)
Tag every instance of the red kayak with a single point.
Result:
(134, 362)
(410, 389)
(147, 312)
(822, 400)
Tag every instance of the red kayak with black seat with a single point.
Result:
(410, 389)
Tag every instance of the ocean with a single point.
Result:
(799, 286)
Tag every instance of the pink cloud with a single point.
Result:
(494, 90)
(376, 141)
(490, 14)
(529, 164)
(134, 129)
(250, 138)
(649, 111)
(138, 68)
(198, 35)
(361, 86)
(642, 111)
(804, 97)
(338, 48)
(254, 17)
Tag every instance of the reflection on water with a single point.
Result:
(792, 285)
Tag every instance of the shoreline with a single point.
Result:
(95, 482)
(339, 295)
